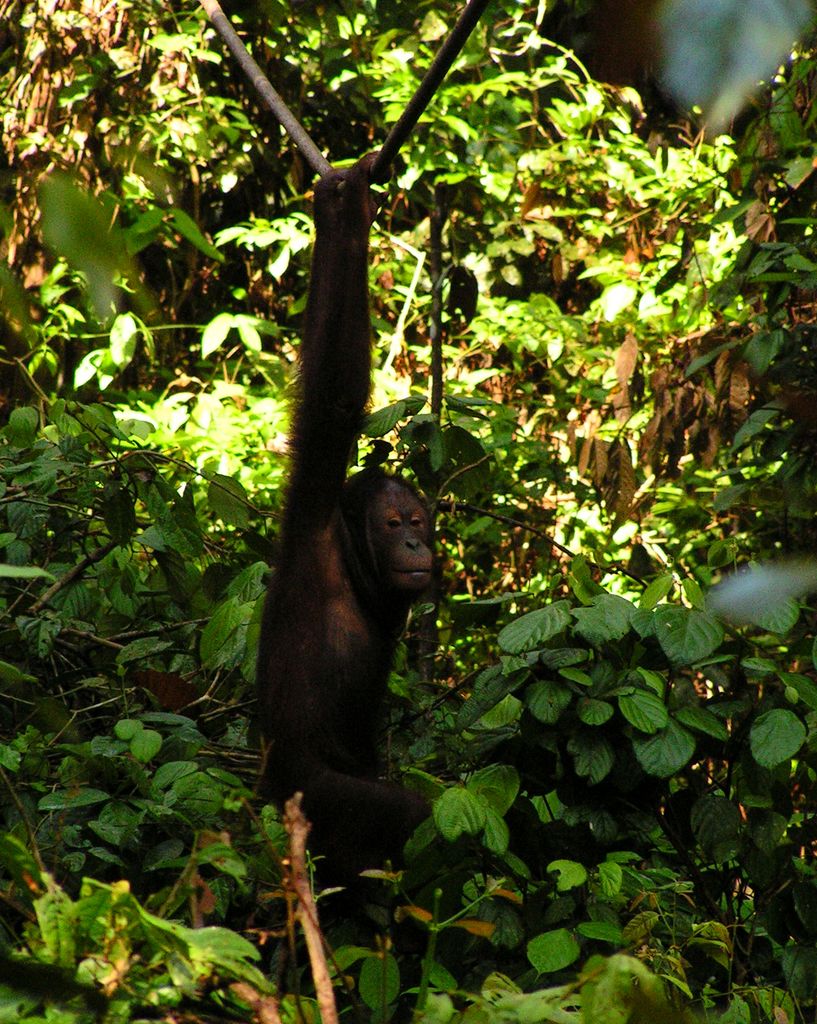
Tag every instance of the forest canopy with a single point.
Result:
(592, 283)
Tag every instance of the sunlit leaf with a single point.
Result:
(535, 628)
(685, 634)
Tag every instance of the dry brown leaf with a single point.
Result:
(619, 484)
(600, 450)
(739, 391)
(531, 199)
(626, 360)
(760, 224)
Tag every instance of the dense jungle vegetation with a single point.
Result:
(623, 414)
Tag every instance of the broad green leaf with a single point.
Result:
(601, 931)
(381, 422)
(546, 700)
(23, 572)
(215, 332)
(189, 230)
(379, 983)
(806, 689)
(491, 686)
(534, 629)
(758, 666)
(616, 298)
(127, 728)
(776, 736)
(702, 720)
(123, 337)
(779, 618)
(592, 755)
(458, 811)
(686, 635)
(119, 513)
(145, 647)
(506, 712)
(570, 874)
(594, 712)
(611, 878)
(644, 710)
(639, 929)
(228, 500)
(197, 795)
(693, 593)
(222, 639)
(248, 331)
(581, 580)
(576, 675)
(22, 427)
(553, 951)
(496, 835)
(643, 622)
(608, 618)
(799, 964)
(10, 758)
(57, 917)
(562, 657)
(168, 773)
(497, 784)
(145, 745)
(665, 753)
(722, 552)
(656, 591)
(67, 799)
(717, 825)
(756, 422)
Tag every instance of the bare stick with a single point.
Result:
(72, 574)
(313, 156)
(298, 827)
(446, 56)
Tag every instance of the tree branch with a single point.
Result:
(313, 156)
(73, 573)
(446, 56)
(400, 131)
(298, 828)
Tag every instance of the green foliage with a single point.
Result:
(76, 949)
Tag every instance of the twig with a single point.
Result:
(32, 837)
(298, 827)
(71, 575)
(446, 56)
(399, 333)
(313, 156)
(436, 329)
(428, 633)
